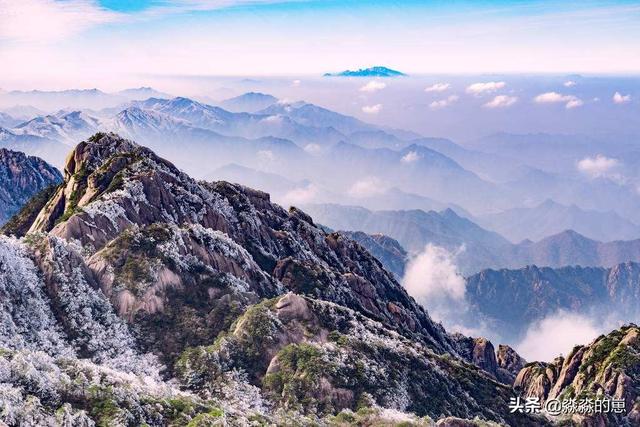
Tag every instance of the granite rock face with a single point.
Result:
(605, 368)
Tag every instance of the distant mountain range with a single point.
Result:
(511, 300)
(63, 126)
(550, 218)
(476, 248)
(52, 151)
(377, 71)
(345, 160)
(76, 98)
(7, 121)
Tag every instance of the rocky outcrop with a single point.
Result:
(113, 185)
(21, 178)
(305, 352)
(509, 364)
(605, 368)
(478, 351)
(503, 364)
(387, 250)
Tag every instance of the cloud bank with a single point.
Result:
(619, 98)
(501, 101)
(300, 195)
(486, 87)
(442, 103)
(598, 166)
(557, 334)
(410, 157)
(437, 87)
(367, 187)
(372, 109)
(373, 86)
(570, 101)
(433, 274)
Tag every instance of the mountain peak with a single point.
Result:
(376, 71)
(249, 102)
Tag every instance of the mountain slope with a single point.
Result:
(22, 177)
(238, 298)
(271, 122)
(88, 206)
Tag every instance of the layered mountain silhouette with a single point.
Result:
(476, 247)
(550, 218)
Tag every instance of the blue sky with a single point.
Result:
(65, 39)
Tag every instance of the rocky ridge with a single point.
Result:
(608, 367)
(142, 272)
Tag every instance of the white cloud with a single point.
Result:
(556, 334)
(501, 101)
(437, 87)
(373, 86)
(598, 166)
(619, 98)
(432, 278)
(433, 274)
(313, 149)
(367, 187)
(442, 103)
(296, 83)
(570, 101)
(574, 103)
(300, 195)
(266, 155)
(486, 87)
(410, 157)
(372, 109)
(569, 83)
(49, 20)
(276, 119)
